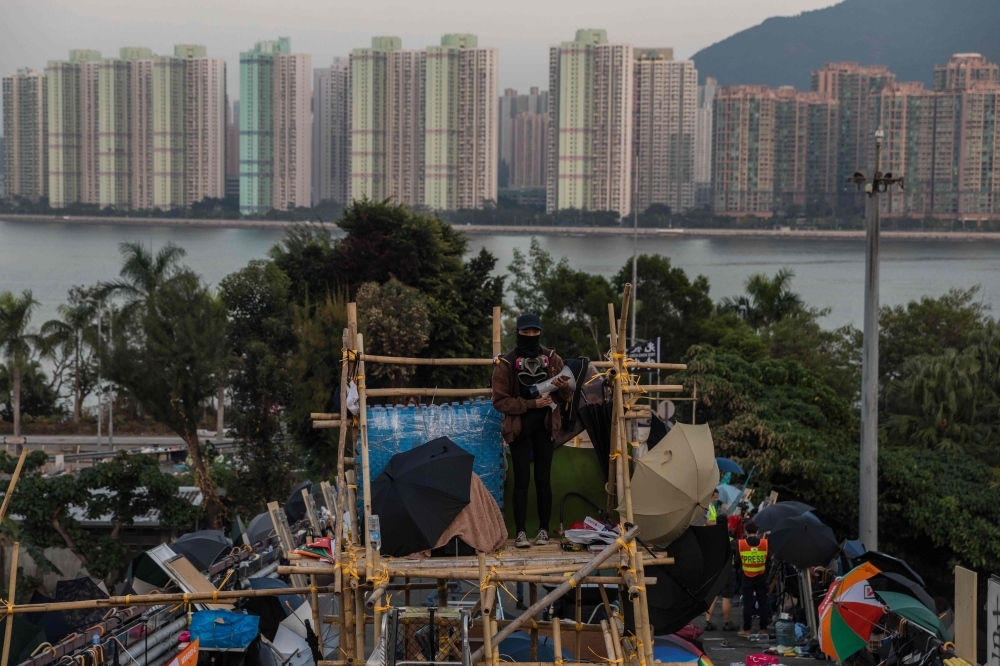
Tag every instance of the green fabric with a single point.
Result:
(907, 607)
(25, 639)
(845, 641)
(573, 470)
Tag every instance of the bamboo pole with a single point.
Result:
(496, 643)
(359, 624)
(497, 325)
(163, 599)
(485, 588)
(405, 360)
(644, 365)
(654, 388)
(326, 424)
(347, 644)
(557, 641)
(9, 624)
(349, 342)
(317, 626)
(611, 487)
(579, 621)
(609, 644)
(533, 633)
(546, 576)
(366, 476)
(616, 644)
(352, 503)
(571, 582)
(13, 483)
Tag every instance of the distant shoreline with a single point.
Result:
(810, 234)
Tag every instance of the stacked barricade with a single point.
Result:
(475, 426)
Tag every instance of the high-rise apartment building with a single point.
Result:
(331, 135)
(205, 129)
(257, 125)
(25, 129)
(405, 137)
(773, 150)
(665, 107)
(460, 165)
(368, 109)
(71, 91)
(855, 87)
(589, 157)
(942, 142)
(511, 105)
(703, 143)
(530, 143)
(233, 149)
(124, 155)
(292, 130)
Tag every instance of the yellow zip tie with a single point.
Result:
(572, 582)
(215, 596)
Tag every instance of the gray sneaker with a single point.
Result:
(522, 540)
(542, 539)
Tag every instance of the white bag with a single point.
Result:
(353, 399)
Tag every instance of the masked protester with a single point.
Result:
(530, 420)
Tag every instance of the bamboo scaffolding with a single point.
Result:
(402, 360)
(9, 621)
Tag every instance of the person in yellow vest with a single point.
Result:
(753, 561)
(712, 515)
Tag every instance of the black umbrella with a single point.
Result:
(419, 494)
(202, 548)
(685, 589)
(80, 589)
(295, 506)
(803, 541)
(53, 623)
(888, 581)
(657, 430)
(270, 610)
(260, 528)
(597, 420)
(24, 640)
(770, 518)
(889, 563)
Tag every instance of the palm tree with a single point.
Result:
(142, 271)
(70, 334)
(16, 341)
(767, 300)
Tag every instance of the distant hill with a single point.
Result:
(910, 36)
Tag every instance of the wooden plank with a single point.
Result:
(965, 614)
(284, 538)
(312, 512)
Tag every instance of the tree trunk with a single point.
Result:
(17, 400)
(203, 478)
(77, 406)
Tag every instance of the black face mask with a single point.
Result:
(528, 346)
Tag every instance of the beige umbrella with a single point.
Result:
(672, 484)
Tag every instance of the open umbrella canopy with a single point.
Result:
(295, 507)
(596, 418)
(419, 494)
(24, 640)
(202, 548)
(887, 562)
(907, 607)
(770, 518)
(888, 581)
(848, 613)
(259, 528)
(80, 589)
(803, 542)
(672, 484)
(727, 465)
(270, 610)
(684, 589)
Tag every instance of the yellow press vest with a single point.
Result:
(753, 558)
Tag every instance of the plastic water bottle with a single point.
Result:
(374, 532)
(784, 630)
(95, 639)
(346, 522)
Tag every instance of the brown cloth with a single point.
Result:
(480, 524)
(507, 394)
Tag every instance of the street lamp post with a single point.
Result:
(868, 482)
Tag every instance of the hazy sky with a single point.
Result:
(34, 31)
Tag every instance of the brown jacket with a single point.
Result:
(507, 394)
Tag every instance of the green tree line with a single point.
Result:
(778, 388)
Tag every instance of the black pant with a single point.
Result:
(534, 440)
(755, 587)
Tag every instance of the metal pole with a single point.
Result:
(111, 393)
(100, 407)
(868, 509)
(635, 239)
